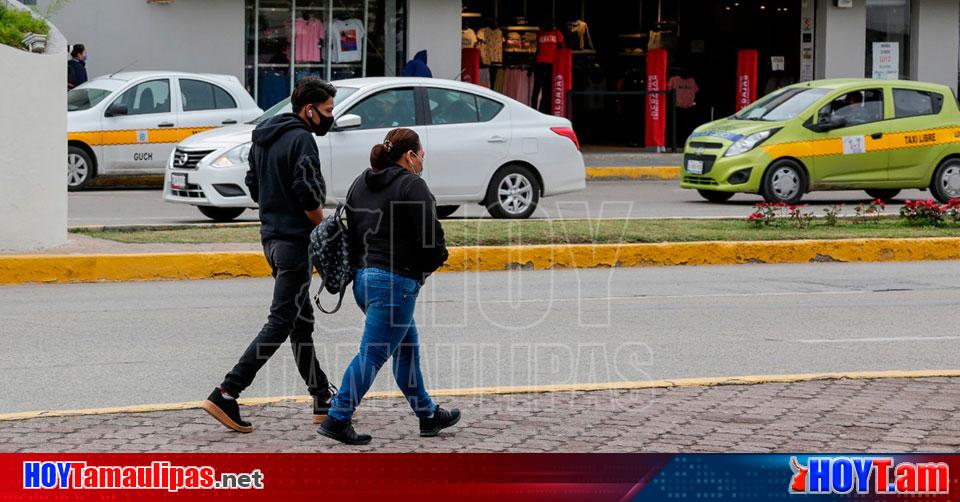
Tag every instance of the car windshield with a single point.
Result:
(782, 105)
(284, 106)
(85, 97)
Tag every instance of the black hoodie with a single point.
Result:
(392, 223)
(284, 177)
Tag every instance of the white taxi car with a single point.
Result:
(129, 123)
(482, 148)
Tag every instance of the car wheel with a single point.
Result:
(884, 194)
(446, 211)
(785, 181)
(514, 193)
(80, 169)
(222, 214)
(715, 196)
(946, 181)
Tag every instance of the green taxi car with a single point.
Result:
(880, 136)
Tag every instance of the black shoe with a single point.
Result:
(441, 419)
(321, 405)
(342, 430)
(226, 411)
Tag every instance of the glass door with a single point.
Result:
(287, 40)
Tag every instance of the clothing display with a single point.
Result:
(685, 90)
(468, 39)
(485, 77)
(470, 61)
(547, 44)
(348, 45)
(582, 40)
(517, 84)
(491, 45)
(542, 78)
(274, 87)
(310, 35)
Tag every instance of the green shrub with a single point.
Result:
(15, 24)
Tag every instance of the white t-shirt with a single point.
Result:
(468, 39)
(348, 41)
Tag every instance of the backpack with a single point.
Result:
(330, 256)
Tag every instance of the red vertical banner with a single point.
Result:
(562, 81)
(470, 65)
(746, 77)
(656, 129)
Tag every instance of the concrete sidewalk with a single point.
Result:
(845, 415)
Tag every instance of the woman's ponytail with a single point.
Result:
(394, 146)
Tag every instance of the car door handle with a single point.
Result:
(497, 139)
(876, 135)
(165, 124)
(228, 122)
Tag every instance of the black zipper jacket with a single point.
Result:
(284, 177)
(392, 223)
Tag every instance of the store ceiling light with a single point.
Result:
(161, 2)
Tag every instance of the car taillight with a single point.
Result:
(567, 132)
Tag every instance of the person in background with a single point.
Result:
(284, 178)
(77, 66)
(396, 242)
(417, 67)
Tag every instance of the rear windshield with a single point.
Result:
(83, 98)
(782, 105)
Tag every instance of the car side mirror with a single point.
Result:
(116, 109)
(349, 121)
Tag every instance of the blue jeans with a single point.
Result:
(388, 300)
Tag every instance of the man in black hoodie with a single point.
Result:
(284, 178)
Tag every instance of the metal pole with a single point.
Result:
(256, 50)
(332, 38)
(366, 36)
(293, 44)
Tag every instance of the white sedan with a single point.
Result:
(482, 148)
(129, 123)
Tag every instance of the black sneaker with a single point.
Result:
(226, 411)
(321, 405)
(441, 419)
(342, 430)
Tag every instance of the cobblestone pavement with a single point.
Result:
(886, 415)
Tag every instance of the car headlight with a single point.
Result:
(747, 143)
(235, 156)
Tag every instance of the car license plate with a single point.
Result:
(695, 166)
(178, 181)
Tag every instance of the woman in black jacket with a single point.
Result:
(396, 241)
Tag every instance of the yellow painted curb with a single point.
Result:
(633, 173)
(524, 389)
(16, 269)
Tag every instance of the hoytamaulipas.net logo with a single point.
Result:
(67, 475)
(868, 475)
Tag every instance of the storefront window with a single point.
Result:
(888, 39)
(332, 39)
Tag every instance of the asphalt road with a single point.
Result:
(607, 199)
(94, 345)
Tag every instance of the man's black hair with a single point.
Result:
(311, 90)
(77, 50)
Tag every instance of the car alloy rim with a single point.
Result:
(515, 193)
(76, 169)
(786, 182)
(950, 181)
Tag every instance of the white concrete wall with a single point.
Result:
(188, 35)
(841, 40)
(33, 147)
(935, 41)
(434, 25)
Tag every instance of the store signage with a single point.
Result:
(746, 77)
(562, 81)
(656, 123)
(886, 60)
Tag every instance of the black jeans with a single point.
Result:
(291, 315)
(542, 87)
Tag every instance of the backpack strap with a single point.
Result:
(316, 300)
